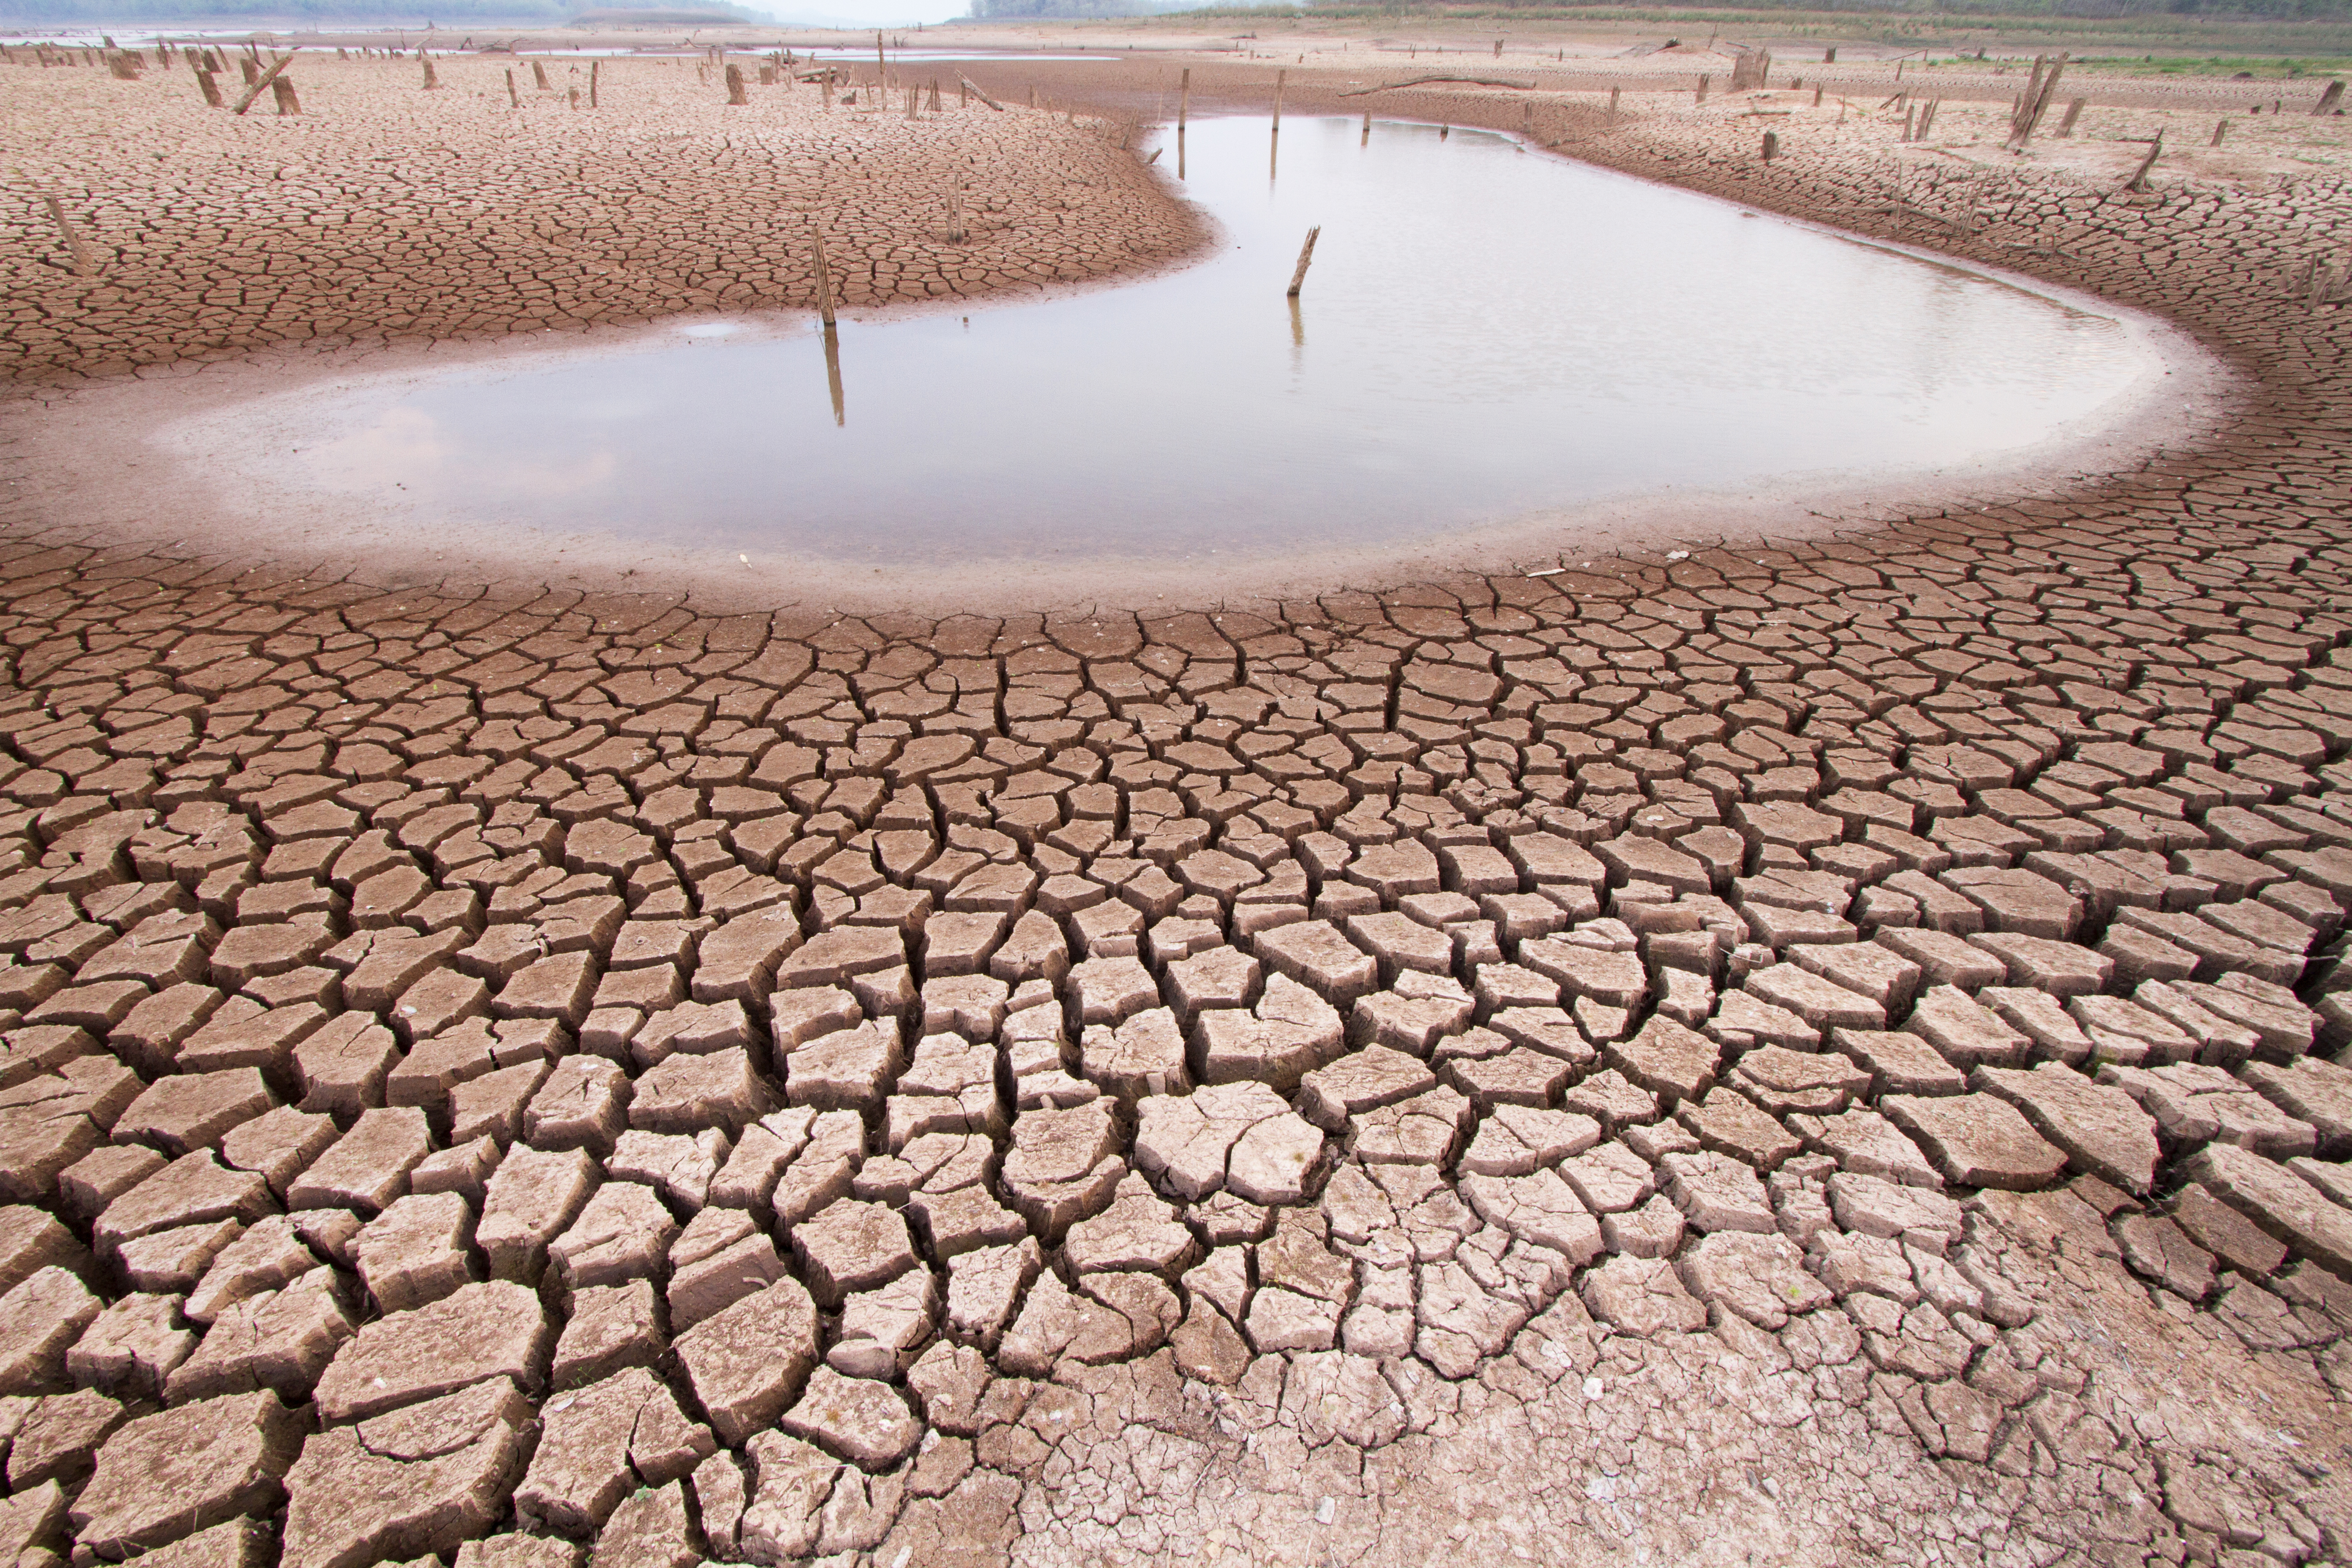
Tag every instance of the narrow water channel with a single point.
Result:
(1486, 336)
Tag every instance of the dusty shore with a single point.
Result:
(384, 212)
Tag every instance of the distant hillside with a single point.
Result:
(1073, 10)
(1927, 11)
(33, 14)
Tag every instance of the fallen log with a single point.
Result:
(1450, 80)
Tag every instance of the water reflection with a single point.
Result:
(832, 373)
(1495, 336)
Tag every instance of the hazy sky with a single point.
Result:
(868, 12)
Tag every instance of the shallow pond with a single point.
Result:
(1485, 336)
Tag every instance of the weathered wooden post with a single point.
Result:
(736, 97)
(827, 83)
(593, 66)
(823, 277)
(2139, 182)
(2074, 113)
(283, 88)
(210, 88)
(538, 76)
(431, 81)
(2036, 103)
(83, 265)
(1829, 56)
(1183, 99)
(2220, 129)
(1366, 139)
(1771, 145)
(935, 95)
(1612, 100)
(1306, 254)
(514, 99)
(1702, 89)
(2329, 98)
(1278, 77)
(262, 80)
(252, 71)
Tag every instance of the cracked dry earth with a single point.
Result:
(385, 213)
(1822, 1055)
(1800, 1058)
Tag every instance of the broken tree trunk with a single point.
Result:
(2024, 101)
(1451, 80)
(823, 277)
(2036, 105)
(261, 81)
(1306, 254)
(83, 264)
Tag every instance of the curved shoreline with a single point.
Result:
(205, 411)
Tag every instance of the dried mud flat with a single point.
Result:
(1822, 1054)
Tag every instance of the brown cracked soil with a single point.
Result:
(1816, 1054)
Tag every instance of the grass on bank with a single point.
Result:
(2170, 43)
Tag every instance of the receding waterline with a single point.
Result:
(1487, 337)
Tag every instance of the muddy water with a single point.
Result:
(1487, 337)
